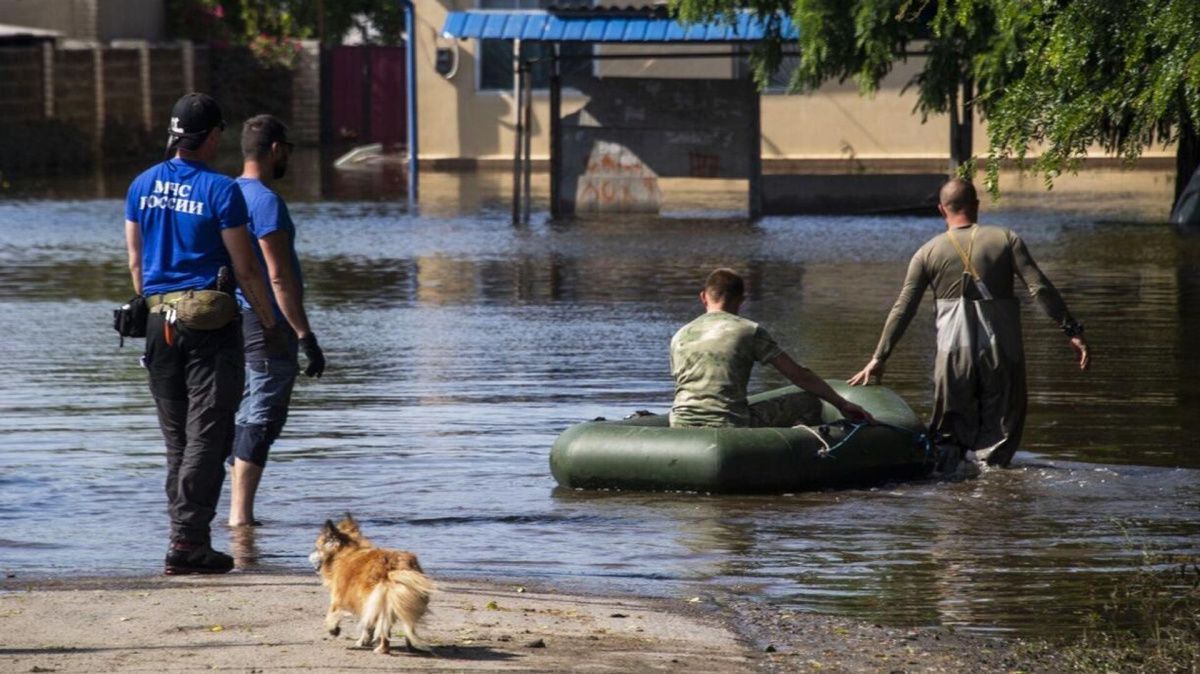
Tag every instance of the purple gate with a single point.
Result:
(365, 95)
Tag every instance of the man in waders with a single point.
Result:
(269, 379)
(183, 224)
(712, 356)
(979, 372)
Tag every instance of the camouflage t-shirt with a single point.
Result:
(711, 358)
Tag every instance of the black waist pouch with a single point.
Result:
(130, 319)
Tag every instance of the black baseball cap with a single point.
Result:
(193, 116)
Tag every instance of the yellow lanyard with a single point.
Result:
(966, 255)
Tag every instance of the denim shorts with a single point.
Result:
(264, 408)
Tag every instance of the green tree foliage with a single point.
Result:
(1058, 76)
(1120, 74)
(270, 27)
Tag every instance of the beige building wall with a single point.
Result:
(456, 120)
(834, 126)
(837, 122)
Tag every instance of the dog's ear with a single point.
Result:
(334, 535)
(349, 526)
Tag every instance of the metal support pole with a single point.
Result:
(518, 94)
(756, 190)
(966, 135)
(555, 135)
(410, 67)
(527, 124)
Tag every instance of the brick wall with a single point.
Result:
(117, 98)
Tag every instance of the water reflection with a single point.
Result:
(460, 346)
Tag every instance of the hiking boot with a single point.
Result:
(187, 558)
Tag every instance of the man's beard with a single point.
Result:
(279, 171)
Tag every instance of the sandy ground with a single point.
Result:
(267, 623)
(253, 623)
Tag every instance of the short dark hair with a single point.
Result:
(958, 195)
(259, 132)
(724, 284)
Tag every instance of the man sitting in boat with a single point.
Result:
(712, 356)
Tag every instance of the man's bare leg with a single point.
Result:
(243, 487)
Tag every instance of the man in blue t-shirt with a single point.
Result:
(183, 223)
(269, 379)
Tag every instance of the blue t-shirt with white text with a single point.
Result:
(268, 214)
(181, 206)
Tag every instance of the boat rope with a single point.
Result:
(856, 428)
(827, 449)
(816, 434)
(919, 438)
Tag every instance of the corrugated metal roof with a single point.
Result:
(601, 26)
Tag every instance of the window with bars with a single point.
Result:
(496, 56)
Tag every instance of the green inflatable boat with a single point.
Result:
(645, 453)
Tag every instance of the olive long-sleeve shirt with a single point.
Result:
(998, 255)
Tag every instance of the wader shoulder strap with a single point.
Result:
(968, 266)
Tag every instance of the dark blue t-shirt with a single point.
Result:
(268, 214)
(182, 206)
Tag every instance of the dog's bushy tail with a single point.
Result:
(408, 592)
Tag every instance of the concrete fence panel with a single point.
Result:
(167, 84)
(74, 89)
(21, 84)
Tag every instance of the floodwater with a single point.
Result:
(459, 346)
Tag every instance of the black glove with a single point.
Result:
(314, 355)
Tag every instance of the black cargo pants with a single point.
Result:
(196, 381)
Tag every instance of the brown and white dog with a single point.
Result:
(380, 586)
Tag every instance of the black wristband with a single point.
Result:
(1072, 328)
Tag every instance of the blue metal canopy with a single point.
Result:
(601, 26)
